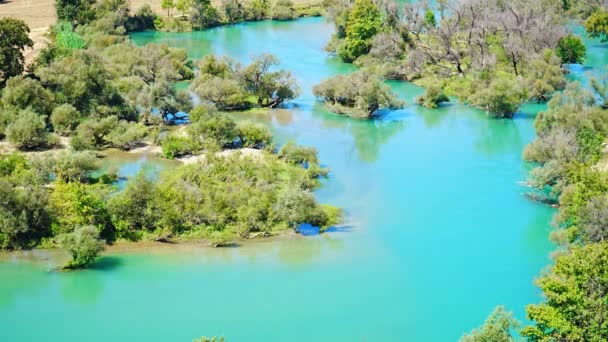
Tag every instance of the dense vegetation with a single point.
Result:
(92, 88)
(360, 95)
(493, 55)
(185, 15)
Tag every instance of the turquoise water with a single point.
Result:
(437, 231)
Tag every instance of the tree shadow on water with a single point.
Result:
(106, 263)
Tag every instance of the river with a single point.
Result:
(437, 232)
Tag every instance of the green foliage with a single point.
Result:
(168, 5)
(93, 133)
(359, 94)
(174, 147)
(501, 98)
(28, 131)
(215, 129)
(65, 165)
(76, 12)
(575, 297)
(127, 135)
(230, 86)
(497, 328)
(298, 155)
(253, 135)
(23, 92)
(24, 217)
(429, 18)
(236, 195)
(364, 21)
(232, 11)
(204, 15)
(13, 39)
(77, 204)
(131, 210)
(142, 20)
(597, 25)
(84, 246)
(65, 118)
(433, 96)
(571, 49)
(283, 10)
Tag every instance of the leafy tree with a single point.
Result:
(254, 135)
(24, 217)
(571, 49)
(497, 328)
(597, 25)
(65, 118)
(501, 98)
(28, 131)
(232, 10)
(432, 97)
(76, 12)
(126, 135)
(77, 204)
(204, 14)
(93, 133)
(359, 94)
(84, 246)
(13, 39)
(429, 18)
(283, 10)
(296, 207)
(65, 165)
(364, 21)
(131, 209)
(23, 92)
(143, 19)
(168, 5)
(216, 129)
(230, 86)
(575, 306)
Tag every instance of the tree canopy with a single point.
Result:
(14, 37)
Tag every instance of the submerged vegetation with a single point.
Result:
(92, 89)
(493, 55)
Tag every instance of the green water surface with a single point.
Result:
(437, 231)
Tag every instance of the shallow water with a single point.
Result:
(437, 231)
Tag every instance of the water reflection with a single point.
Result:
(368, 135)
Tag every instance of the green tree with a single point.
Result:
(28, 131)
(571, 49)
(23, 92)
(204, 14)
(168, 5)
(14, 37)
(131, 209)
(24, 217)
(360, 94)
(65, 118)
(433, 96)
(84, 246)
(364, 21)
(501, 98)
(254, 135)
(497, 328)
(575, 306)
(76, 12)
(597, 25)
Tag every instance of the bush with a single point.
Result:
(28, 131)
(83, 245)
(65, 118)
(127, 135)
(296, 207)
(501, 98)
(174, 147)
(432, 97)
(359, 94)
(571, 49)
(131, 209)
(254, 135)
(299, 155)
(283, 10)
(216, 130)
(65, 165)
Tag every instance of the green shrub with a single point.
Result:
(65, 118)
(254, 135)
(28, 131)
(84, 246)
(174, 147)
